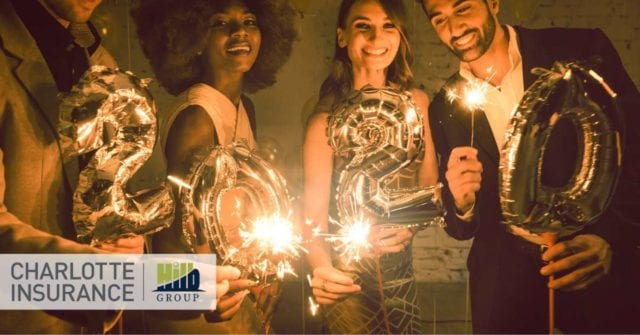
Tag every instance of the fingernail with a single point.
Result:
(236, 272)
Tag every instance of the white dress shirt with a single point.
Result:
(501, 103)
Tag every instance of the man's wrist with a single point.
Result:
(466, 215)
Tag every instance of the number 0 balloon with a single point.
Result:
(565, 93)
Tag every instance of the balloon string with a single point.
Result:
(550, 240)
(381, 291)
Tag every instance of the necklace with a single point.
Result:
(235, 125)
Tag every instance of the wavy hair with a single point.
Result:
(173, 32)
(340, 81)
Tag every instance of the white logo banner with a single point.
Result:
(107, 281)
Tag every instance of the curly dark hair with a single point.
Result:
(172, 32)
(340, 81)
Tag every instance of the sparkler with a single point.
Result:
(269, 243)
(273, 243)
(352, 239)
(473, 96)
(313, 306)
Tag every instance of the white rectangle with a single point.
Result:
(107, 281)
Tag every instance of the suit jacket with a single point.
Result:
(36, 184)
(450, 126)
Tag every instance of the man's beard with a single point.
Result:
(485, 37)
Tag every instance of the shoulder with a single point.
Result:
(192, 117)
(554, 33)
(566, 42)
(420, 97)
(318, 121)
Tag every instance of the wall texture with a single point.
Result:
(283, 108)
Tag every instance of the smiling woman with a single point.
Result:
(209, 54)
(377, 293)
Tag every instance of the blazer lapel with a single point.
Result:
(33, 73)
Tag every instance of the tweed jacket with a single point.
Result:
(36, 184)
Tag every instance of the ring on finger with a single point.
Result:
(324, 285)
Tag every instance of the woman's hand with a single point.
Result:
(330, 285)
(386, 241)
(124, 245)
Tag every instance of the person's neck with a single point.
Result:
(62, 21)
(363, 76)
(228, 84)
(494, 64)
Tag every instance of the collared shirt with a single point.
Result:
(502, 99)
(66, 60)
(501, 102)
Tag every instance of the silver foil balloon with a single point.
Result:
(379, 132)
(112, 113)
(258, 196)
(561, 94)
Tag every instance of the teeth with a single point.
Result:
(239, 48)
(464, 40)
(375, 52)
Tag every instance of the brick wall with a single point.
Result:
(283, 108)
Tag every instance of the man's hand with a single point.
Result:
(329, 285)
(586, 258)
(125, 245)
(464, 174)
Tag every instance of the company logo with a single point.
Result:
(177, 277)
(177, 282)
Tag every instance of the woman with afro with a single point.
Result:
(209, 54)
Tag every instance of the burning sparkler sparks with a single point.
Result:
(269, 243)
(273, 243)
(352, 239)
(473, 96)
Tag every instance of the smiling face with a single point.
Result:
(466, 27)
(371, 38)
(234, 40)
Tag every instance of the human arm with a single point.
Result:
(328, 283)
(588, 257)
(447, 135)
(428, 172)
(191, 134)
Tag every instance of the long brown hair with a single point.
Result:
(340, 81)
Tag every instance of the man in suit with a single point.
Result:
(507, 268)
(39, 59)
